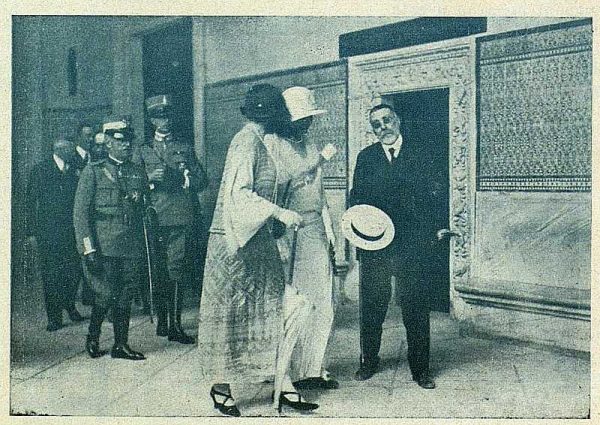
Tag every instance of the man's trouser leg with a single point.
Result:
(50, 269)
(96, 319)
(414, 301)
(72, 274)
(375, 293)
(125, 274)
(125, 280)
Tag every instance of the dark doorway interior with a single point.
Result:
(167, 69)
(425, 122)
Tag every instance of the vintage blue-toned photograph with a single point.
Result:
(301, 216)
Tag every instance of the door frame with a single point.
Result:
(449, 64)
(128, 85)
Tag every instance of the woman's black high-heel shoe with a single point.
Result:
(226, 410)
(298, 404)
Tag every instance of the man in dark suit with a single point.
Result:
(387, 176)
(85, 139)
(108, 217)
(175, 179)
(50, 197)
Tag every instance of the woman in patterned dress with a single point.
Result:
(240, 322)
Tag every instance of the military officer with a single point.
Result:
(108, 218)
(175, 179)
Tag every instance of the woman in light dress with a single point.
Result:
(312, 274)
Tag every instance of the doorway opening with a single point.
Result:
(168, 69)
(424, 118)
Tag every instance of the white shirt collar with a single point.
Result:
(59, 162)
(82, 152)
(396, 146)
(116, 160)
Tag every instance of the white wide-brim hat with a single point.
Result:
(300, 102)
(367, 227)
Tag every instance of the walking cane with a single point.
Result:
(149, 261)
(293, 255)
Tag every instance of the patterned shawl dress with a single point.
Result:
(240, 316)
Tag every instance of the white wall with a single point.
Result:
(242, 46)
(92, 40)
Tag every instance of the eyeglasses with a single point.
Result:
(377, 124)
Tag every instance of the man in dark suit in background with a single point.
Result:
(387, 176)
(85, 139)
(50, 197)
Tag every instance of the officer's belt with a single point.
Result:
(100, 216)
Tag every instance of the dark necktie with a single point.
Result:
(392, 157)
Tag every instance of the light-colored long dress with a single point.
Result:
(313, 272)
(240, 318)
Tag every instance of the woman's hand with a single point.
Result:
(288, 217)
(284, 249)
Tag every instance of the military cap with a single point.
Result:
(158, 105)
(118, 127)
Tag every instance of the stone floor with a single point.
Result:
(476, 378)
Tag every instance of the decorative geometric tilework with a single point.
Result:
(535, 110)
(449, 65)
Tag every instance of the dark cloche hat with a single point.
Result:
(263, 101)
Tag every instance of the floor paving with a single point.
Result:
(476, 378)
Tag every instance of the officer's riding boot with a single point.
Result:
(92, 344)
(121, 328)
(162, 327)
(176, 332)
